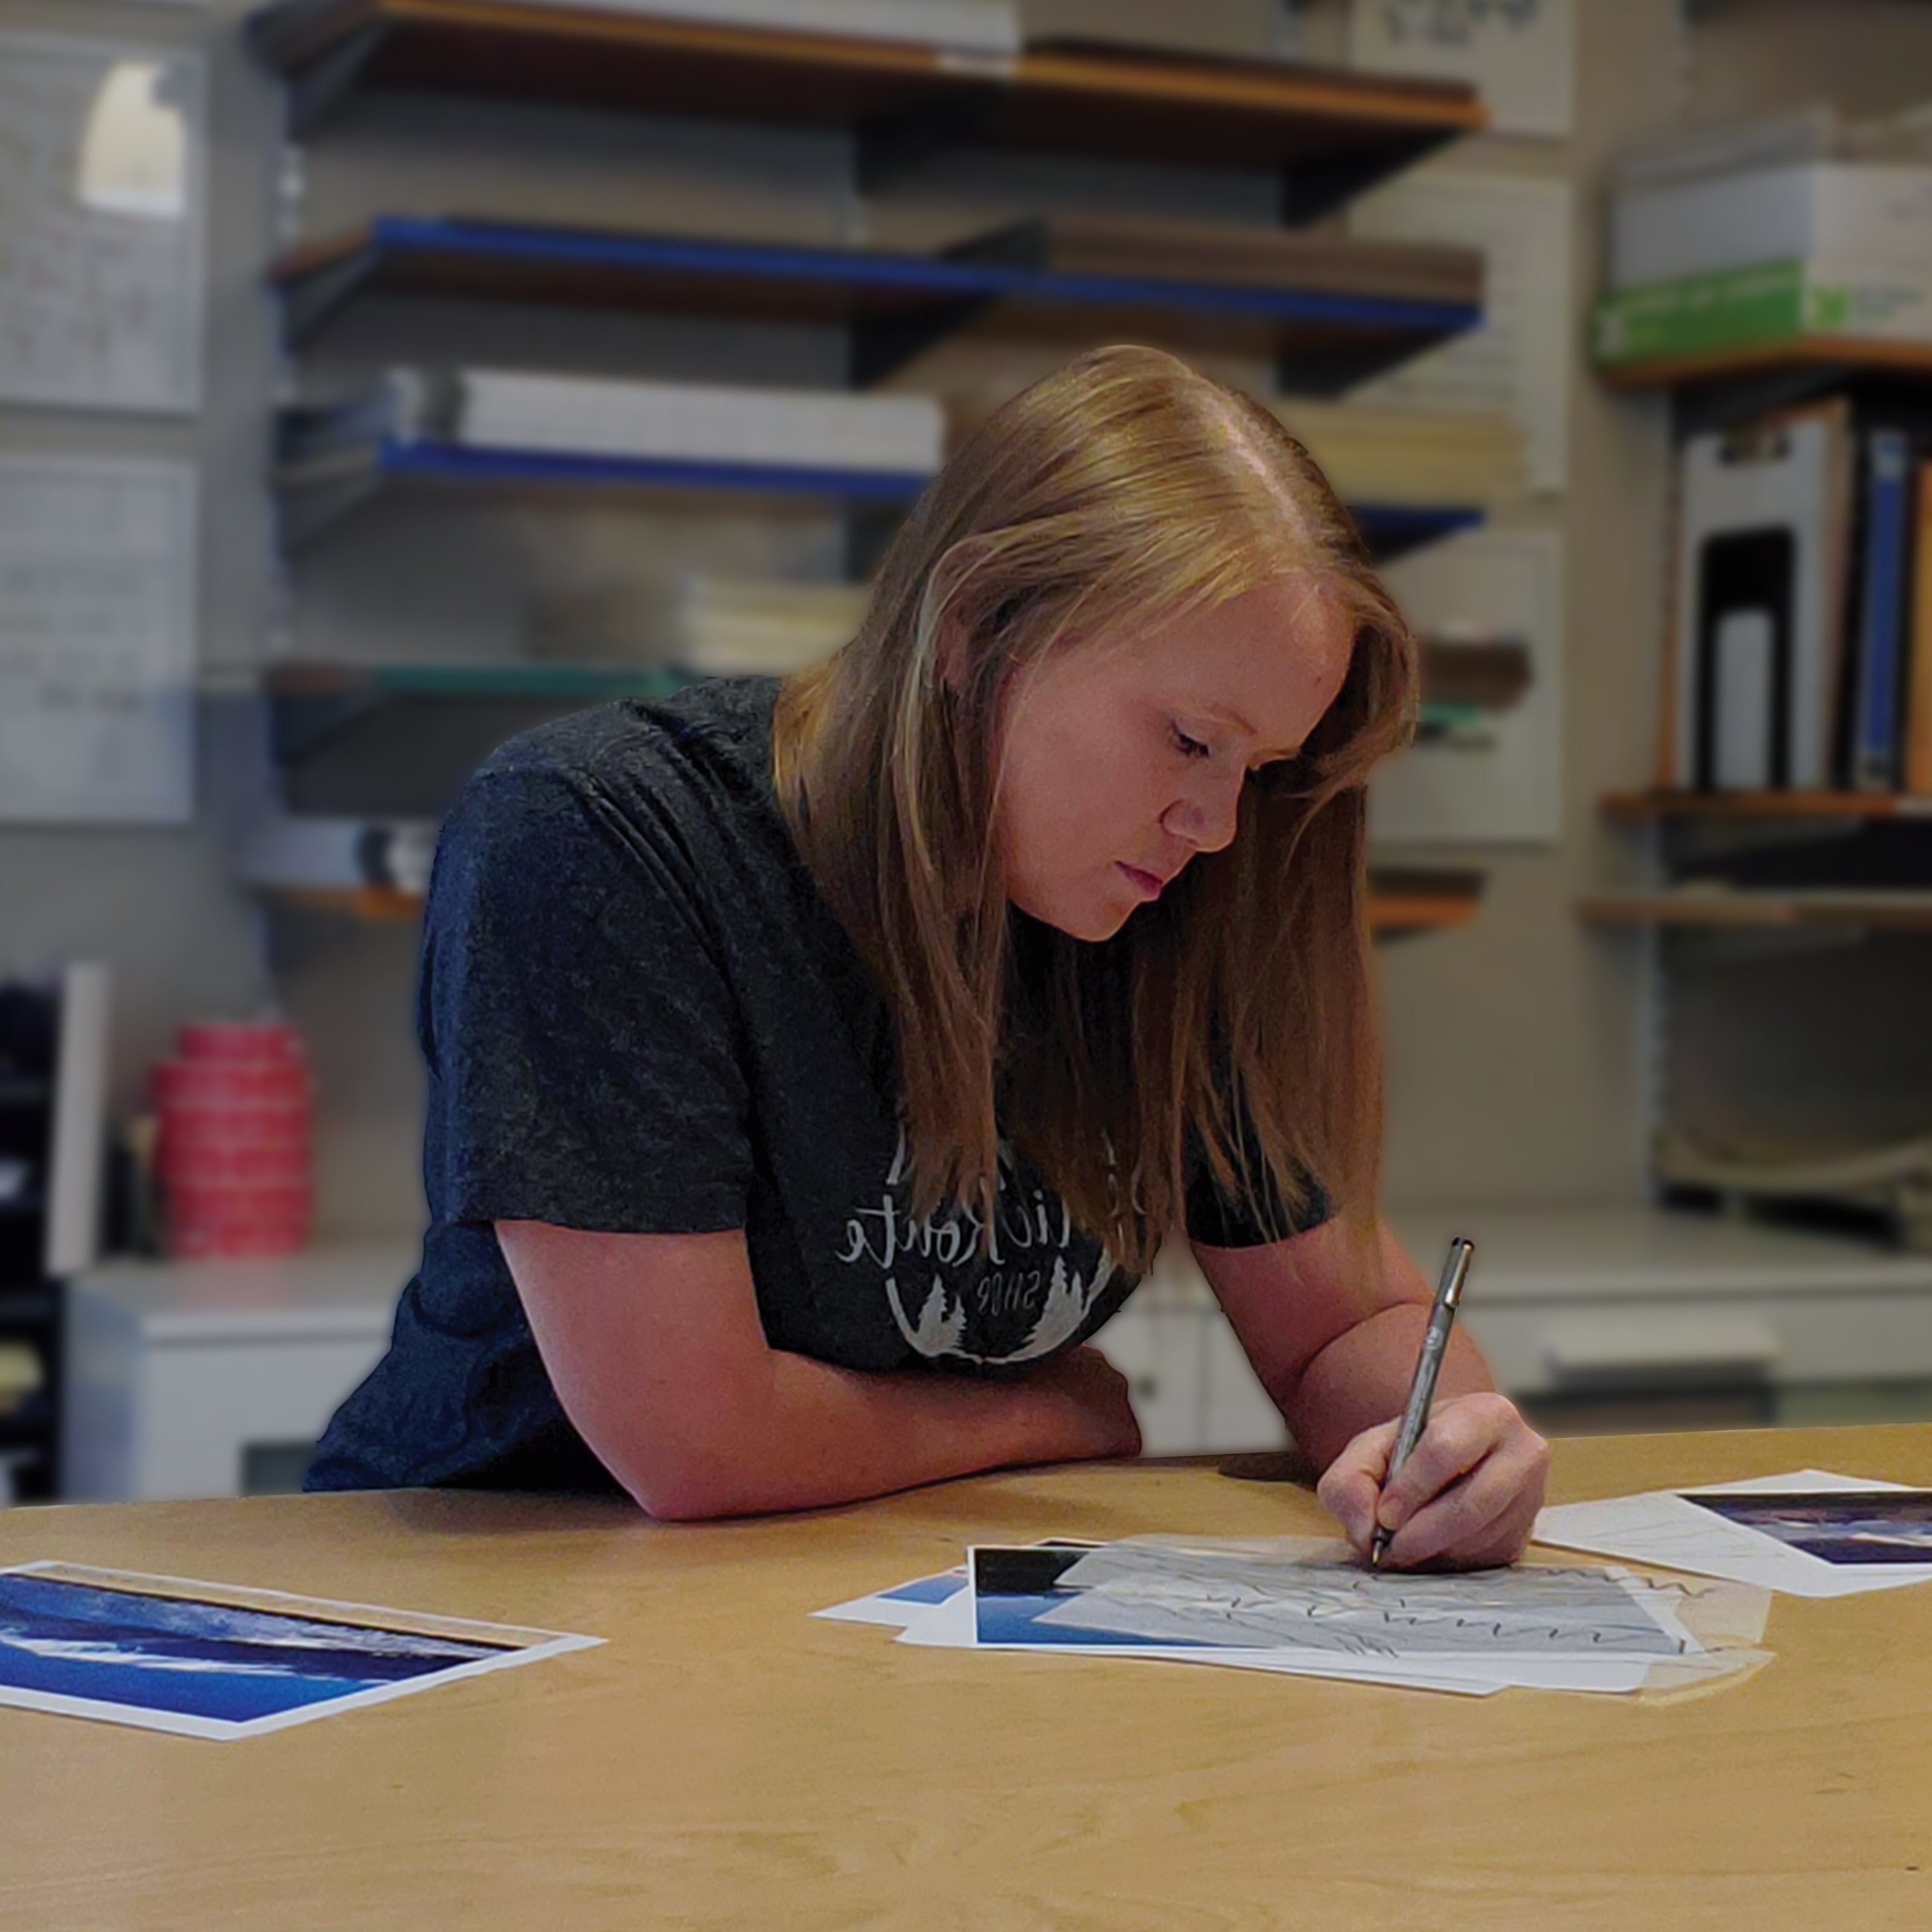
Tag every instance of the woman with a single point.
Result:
(814, 1067)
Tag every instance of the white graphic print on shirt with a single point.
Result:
(968, 1306)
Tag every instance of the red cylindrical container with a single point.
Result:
(234, 1152)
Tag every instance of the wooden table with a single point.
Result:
(725, 1762)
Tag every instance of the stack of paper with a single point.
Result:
(976, 26)
(1408, 456)
(587, 416)
(1304, 1606)
(697, 421)
(715, 626)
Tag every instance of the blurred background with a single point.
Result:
(380, 377)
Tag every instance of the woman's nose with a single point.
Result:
(1206, 818)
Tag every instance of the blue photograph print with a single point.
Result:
(205, 1660)
(1014, 1588)
(1842, 1526)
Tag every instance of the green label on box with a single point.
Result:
(1738, 308)
(1746, 308)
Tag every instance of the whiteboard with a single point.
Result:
(102, 223)
(96, 640)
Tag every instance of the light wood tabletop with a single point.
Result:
(725, 1761)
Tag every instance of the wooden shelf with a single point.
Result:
(317, 492)
(1404, 900)
(897, 305)
(344, 866)
(1388, 918)
(1638, 808)
(1738, 909)
(1830, 358)
(1333, 132)
(301, 678)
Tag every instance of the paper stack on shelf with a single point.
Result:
(700, 422)
(577, 415)
(1408, 456)
(1805, 225)
(712, 626)
(971, 26)
(1220, 254)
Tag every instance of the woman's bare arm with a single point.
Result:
(655, 1347)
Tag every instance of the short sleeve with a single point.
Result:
(580, 1035)
(1246, 1218)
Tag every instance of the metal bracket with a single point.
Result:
(309, 301)
(879, 345)
(1321, 187)
(315, 89)
(886, 150)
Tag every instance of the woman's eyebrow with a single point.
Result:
(1228, 715)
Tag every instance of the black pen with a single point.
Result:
(1422, 1384)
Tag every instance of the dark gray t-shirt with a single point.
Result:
(639, 1016)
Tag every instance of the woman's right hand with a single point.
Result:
(1095, 1402)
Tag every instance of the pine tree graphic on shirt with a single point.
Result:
(941, 1327)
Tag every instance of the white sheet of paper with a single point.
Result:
(1518, 360)
(951, 1628)
(1519, 55)
(894, 1612)
(1195, 1594)
(103, 164)
(96, 640)
(1660, 1527)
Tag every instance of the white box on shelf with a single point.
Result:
(1877, 215)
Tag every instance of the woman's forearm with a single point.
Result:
(805, 1434)
(1362, 1378)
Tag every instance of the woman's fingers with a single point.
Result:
(1484, 1517)
(1351, 1485)
(1468, 1493)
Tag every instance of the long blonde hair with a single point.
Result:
(1123, 485)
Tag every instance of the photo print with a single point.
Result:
(207, 1660)
(1841, 1526)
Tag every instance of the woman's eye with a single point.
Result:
(1189, 748)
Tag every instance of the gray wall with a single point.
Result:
(1515, 1042)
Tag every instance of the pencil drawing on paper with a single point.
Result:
(1192, 1595)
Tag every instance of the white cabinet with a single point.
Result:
(1644, 1317)
(209, 1379)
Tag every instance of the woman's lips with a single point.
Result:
(1147, 884)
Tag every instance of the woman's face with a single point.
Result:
(1125, 756)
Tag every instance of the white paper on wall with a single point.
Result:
(103, 158)
(1519, 55)
(96, 640)
(1518, 359)
(1500, 783)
